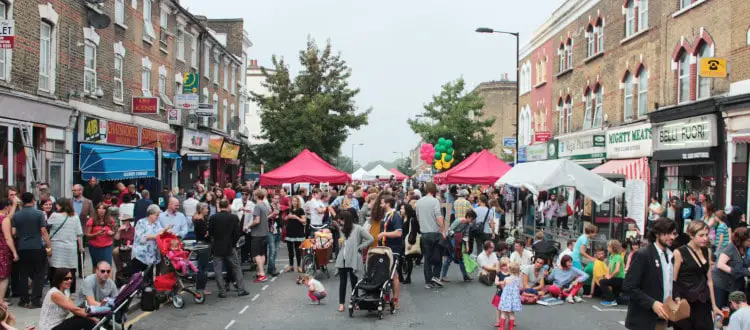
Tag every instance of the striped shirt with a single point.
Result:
(460, 206)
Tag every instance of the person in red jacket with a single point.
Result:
(229, 193)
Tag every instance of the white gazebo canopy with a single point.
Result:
(378, 171)
(359, 174)
(544, 175)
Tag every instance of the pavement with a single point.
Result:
(282, 304)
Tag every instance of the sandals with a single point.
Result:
(341, 308)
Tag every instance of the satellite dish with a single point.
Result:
(96, 2)
(98, 21)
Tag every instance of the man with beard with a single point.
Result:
(349, 194)
(93, 191)
(648, 281)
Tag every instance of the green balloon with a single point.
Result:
(448, 158)
(437, 155)
(440, 148)
(441, 140)
(449, 151)
(449, 142)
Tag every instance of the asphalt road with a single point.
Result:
(282, 304)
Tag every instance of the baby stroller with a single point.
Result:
(370, 292)
(317, 252)
(116, 318)
(172, 282)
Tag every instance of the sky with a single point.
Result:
(400, 52)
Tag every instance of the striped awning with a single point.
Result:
(741, 139)
(633, 169)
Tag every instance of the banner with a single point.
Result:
(230, 151)
(214, 144)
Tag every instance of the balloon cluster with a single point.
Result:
(427, 152)
(443, 155)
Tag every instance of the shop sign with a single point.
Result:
(94, 130)
(194, 140)
(582, 147)
(168, 140)
(122, 134)
(7, 33)
(521, 155)
(214, 144)
(189, 83)
(713, 67)
(543, 136)
(689, 133)
(145, 105)
(536, 152)
(205, 110)
(230, 151)
(173, 116)
(186, 101)
(552, 149)
(629, 142)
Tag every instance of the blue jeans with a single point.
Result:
(449, 261)
(273, 246)
(100, 254)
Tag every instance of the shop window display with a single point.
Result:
(686, 179)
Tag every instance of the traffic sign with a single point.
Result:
(712, 67)
(509, 142)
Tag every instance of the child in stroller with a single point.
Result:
(371, 291)
(171, 282)
(180, 258)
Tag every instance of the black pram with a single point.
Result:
(370, 292)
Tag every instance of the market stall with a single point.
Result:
(359, 174)
(483, 169)
(398, 175)
(307, 167)
(378, 173)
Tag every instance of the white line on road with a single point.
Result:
(229, 325)
(257, 295)
(623, 323)
(273, 279)
(609, 309)
(264, 287)
(244, 309)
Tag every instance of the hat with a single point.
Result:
(463, 193)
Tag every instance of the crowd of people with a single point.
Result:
(43, 240)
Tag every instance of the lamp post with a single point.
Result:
(518, 73)
(354, 145)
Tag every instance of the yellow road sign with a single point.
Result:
(713, 67)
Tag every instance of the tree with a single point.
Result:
(313, 110)
(344, 163)
(404, 166)
(457, 115)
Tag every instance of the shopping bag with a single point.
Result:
(469, 263)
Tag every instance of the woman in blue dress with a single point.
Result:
(510, 300)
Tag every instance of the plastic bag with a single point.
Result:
(469, 263)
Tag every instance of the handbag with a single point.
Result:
(416, 248)
(58, 228)
(676, 310)
(478, 228)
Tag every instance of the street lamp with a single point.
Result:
(354, 145)
(518, 71)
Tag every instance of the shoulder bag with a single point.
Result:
(58, 228)
(412, 249)
(478, 228)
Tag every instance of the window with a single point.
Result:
(568, 115)
(233, 82)
(561, 116)
(89, 70)
(146, 76)
(591, 50)
(148, 28)
(162, 84)
(193, 50)
(216, 68)
(643, 15)
(45, 56)
(120, 12)
(207, 62)
(685, 3)
(630, 18)
(642, 92)
(218, 111)
(683, 78)
(225, 122)
(164, 24)
(569, 51)
(179, 43)
(117, 92)
(600, 36)
(587, 116)
(599, 114)
(3, 52)
(628, 102)
(748, 36)
(703, 88)
(563, 55)
(226, 76)
(524, 126)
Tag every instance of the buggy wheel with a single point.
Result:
(308, 265)
(380, 315)
(351, 312)
(199, 297)
(178, 301)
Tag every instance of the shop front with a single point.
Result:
(584, 148)
(688, 157)
(224, 163)
(736, 112)
(533, 153)
(196, 159)
(172, 162)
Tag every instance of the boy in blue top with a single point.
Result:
(582, 243)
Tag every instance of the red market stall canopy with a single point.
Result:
(306, 167)
(438, 178)
(398, 175)
(483, 168)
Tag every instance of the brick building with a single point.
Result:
(500, 103)
(625, 85)
(70, 82)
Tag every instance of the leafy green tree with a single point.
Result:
(344, 163)
(457, 115)
(313, 110)
(403, 165)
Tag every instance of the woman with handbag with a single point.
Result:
(411, 241)
(349, 261)
(65, 239)
(692, 279)
(99, 232)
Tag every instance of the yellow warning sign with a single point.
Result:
(713, 67)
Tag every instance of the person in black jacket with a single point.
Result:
(224, 232)
(139, 210)
(648, 281)
(93, 192)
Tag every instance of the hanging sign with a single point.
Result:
(230, 150)
(186, 101)
(94, 130)
(173, 116)
(145, 105)
(214, 144)
(194, 141)
(190, 83)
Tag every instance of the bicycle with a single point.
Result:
(315, 259)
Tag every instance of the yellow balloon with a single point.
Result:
(438, 165)
(447, 166)
(442, 157)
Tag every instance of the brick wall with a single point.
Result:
(499, 103)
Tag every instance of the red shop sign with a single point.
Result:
(122, 134)
(146, 105)
(542, 136)
(168, 140)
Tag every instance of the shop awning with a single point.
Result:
(741, 139)
(632, 169)
(107, 162)
(174, 156)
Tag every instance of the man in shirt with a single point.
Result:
(315, 208)
(568, 251)
(274, 233)
(648, 281)
(740, 319)
(391, 230)
(349, 194)
(97, 287)
(28, 226)
(189, 205)
(175, 218)
(43, 188)
(432, 227)
(224, 230)
(487, 261)
(520, 254)
(243, 206)
(83, 206)
(461, 205)
(93, 191)
(139, 209)
(259, 234)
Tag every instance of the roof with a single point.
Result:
(306, 167)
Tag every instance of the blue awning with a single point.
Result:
(107, 162)
(174, 156)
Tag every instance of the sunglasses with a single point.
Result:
(105, 271)
(68, 278)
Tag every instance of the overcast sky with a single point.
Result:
(400, 52)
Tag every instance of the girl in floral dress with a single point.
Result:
(502, 273)
(510, 301)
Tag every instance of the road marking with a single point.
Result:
(137, 318)
(622, 322)
(229, 325)
(273, 279)
(609, 309)
(244, 309)
(264, 287)
(257, 295)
